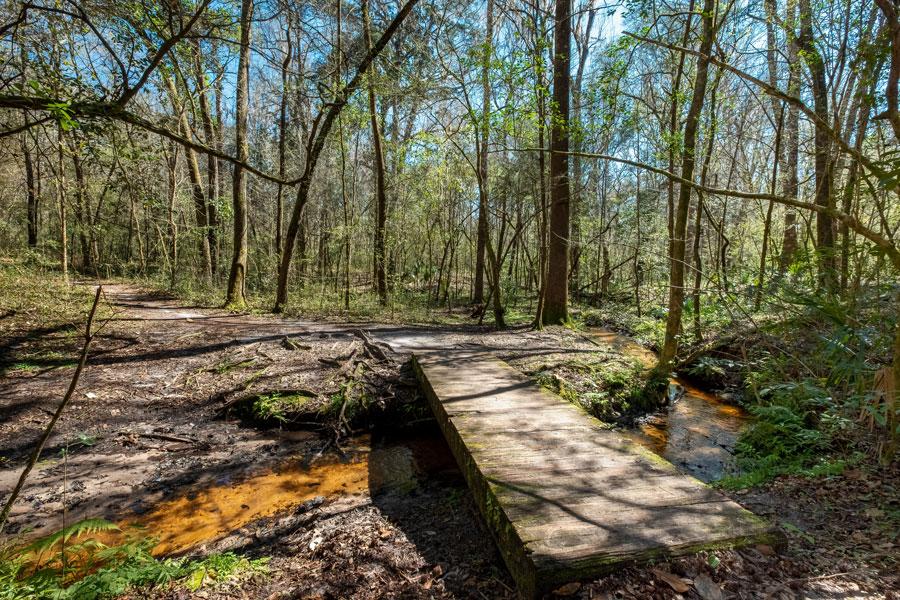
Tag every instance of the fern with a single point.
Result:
(86, 527)
(91, 570)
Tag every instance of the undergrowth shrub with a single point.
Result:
(785, 432)
(812, 373)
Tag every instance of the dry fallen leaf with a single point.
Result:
(675, 582)
(567, 590)
(766, 550)
(707, 588)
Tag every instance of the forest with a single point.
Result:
(228, 225)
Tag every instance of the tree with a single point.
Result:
(484, 243)
(555, 310)
(379, 168)
(824, 225)
(236, 298)
(688, 157)
(200, 209)
(317, 143)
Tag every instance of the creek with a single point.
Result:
(696, 432)
(367, 465)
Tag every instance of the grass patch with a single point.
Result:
(278, 406)
(766, 470)
(41, 317)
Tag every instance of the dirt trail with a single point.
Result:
(146, 385)
(159, 372)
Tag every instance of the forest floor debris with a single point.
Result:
(146, 426)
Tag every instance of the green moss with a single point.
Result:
(605, 388)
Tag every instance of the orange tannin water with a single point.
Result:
(200, 515)
(206, 514)
(697, 432)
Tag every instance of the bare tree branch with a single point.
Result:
(24, 127)
(130, 92)
(852, 222)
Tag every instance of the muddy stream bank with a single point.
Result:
(369, 465)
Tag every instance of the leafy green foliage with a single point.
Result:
(70, 565)
(785, 431)
(770, 467)
(219, 568)
(268, 407)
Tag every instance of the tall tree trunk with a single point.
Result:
(237, 277)
(481, 233)
(791, 181)
(379, 167)
(824, 224)
(137, 231)
(214, 229)
(636, 269)
(778, 116)
(30, 195)
(282, 136)
(82, 210)
(173, 227)
(556, 310)
(61, 206)
(582, 42)
(676, 270)
(197, 195)
(212, 163)
(674, 113)
(484, 239)
(541, 197)
(339, 76)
